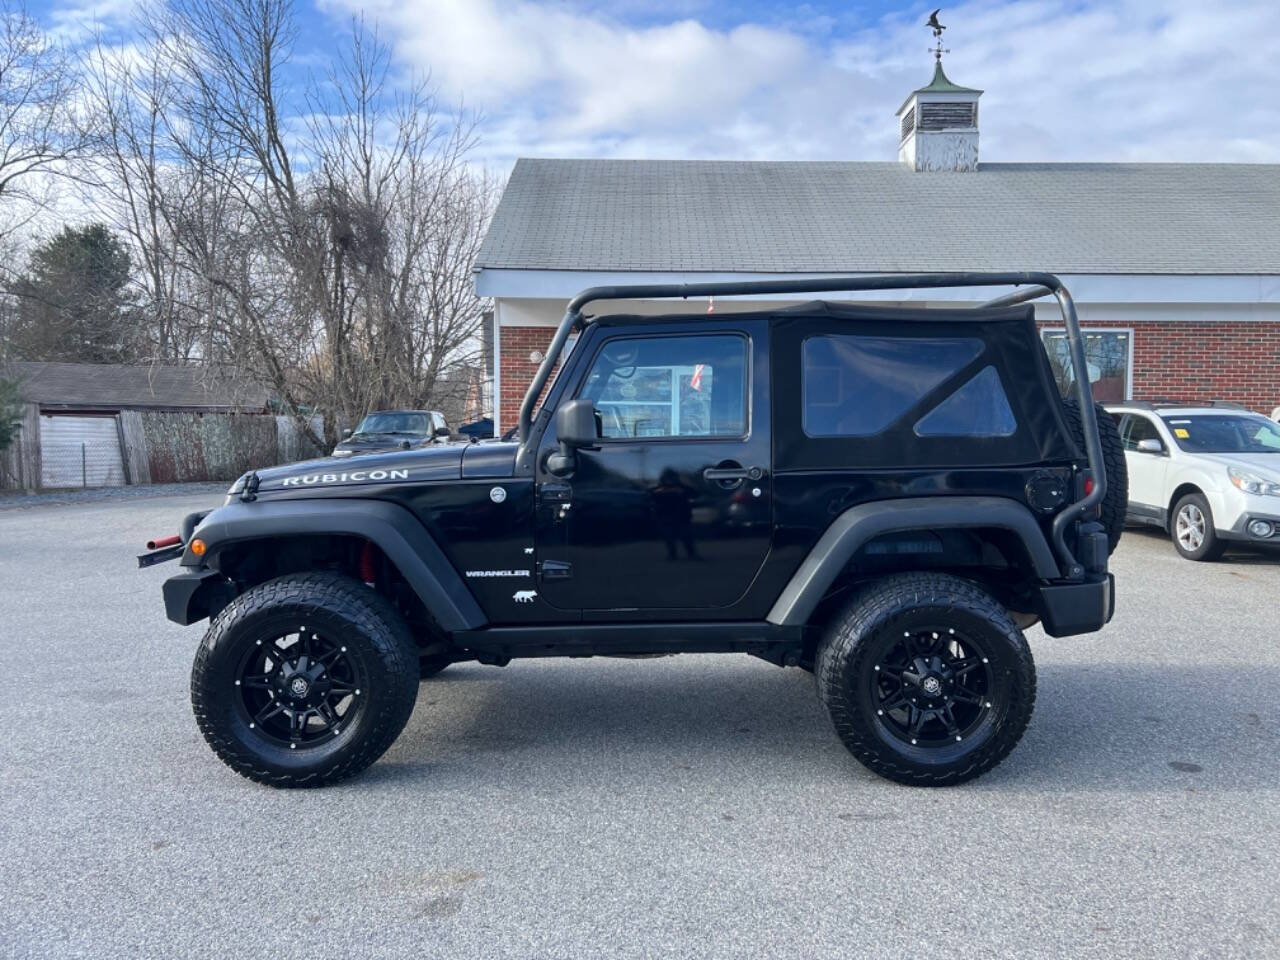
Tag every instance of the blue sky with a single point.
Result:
(1065, 80)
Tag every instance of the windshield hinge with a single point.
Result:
(250, 491)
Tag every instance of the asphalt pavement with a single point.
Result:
(696, 806)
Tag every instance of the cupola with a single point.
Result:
(938, 124)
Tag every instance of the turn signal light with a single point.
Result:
(197, 547)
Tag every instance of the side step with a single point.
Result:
(778, 644)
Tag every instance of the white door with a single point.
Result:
(1146, 470)
(80, 451)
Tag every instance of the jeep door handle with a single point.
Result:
(714, 474)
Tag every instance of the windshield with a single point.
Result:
(1224, 433)
(394, 423)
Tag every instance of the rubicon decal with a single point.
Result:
(355, 476)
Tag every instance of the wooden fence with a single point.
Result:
(163, 447)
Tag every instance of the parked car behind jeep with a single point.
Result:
(393, 430)
(1209, 476)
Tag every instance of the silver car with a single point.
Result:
(1206, 475)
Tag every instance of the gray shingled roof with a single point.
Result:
(804, 217)
(113, 386)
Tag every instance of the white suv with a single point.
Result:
(1207, 475)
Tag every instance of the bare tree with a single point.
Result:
(38, 129)
(338, 247)
(134, 179)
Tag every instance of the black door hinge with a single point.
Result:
(555, 570)
(555, 492)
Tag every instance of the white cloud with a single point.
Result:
(1064, 80)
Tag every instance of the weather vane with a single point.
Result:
(937, 49)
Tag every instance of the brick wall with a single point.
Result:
(1197, 362)
(517, 370)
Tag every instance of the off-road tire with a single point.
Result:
(1116, 499)
(1211, 547)
(870, 624)
(369, 627)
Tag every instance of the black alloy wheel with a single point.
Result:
(304, 680)
(933, 687)
(299, 689)
(926, 678)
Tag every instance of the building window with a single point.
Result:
(1108, 355)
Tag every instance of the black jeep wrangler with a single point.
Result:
(883, 496)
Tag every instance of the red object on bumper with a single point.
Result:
(163, 542)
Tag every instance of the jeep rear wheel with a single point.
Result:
(926, 679)
(304, 680)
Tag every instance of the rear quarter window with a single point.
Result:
(859, 386)
(978, 409)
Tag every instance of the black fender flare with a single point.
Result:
(860, 524)
(393, 528)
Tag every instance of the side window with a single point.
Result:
(859, 386)
(1138, 429)
(978, 409)
(678, 386)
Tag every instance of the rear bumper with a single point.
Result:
(192, 595)
(1072, 608)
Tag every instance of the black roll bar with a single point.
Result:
(1033, 286)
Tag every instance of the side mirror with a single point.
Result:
(346, 433)
(575, 429)
(1150, 445)
(441, 432)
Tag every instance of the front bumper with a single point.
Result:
(1068, 609)
(195, 594)
(1240, 529)
(1234, 509)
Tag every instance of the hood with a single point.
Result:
(1265, 464)
(438, 461)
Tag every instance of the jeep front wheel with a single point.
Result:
(927, 679)
(304, 680)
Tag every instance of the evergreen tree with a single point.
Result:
(74, 304)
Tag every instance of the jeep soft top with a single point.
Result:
(886, 496)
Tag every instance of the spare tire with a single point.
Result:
(1116, 499)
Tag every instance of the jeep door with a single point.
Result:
(672, 508)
